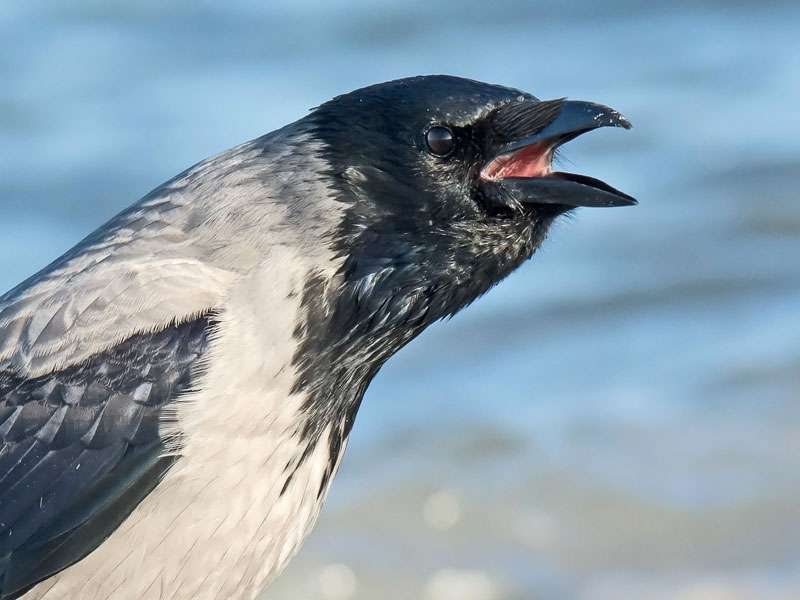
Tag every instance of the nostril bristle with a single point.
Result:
(515, 120)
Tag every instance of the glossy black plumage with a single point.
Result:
(423, 233)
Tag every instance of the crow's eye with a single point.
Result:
(440, 140)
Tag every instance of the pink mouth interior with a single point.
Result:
(530, 161)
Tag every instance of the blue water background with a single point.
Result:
(620, 419)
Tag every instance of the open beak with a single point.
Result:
(521, 167)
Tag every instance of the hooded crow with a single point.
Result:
(177, 391)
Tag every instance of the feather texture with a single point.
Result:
(76, 440)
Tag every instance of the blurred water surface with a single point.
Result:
(618, 420)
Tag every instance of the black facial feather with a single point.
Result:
(417, 240)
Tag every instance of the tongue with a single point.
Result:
(530, 161)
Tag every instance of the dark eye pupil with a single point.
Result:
(440, 140)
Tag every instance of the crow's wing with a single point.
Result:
(140, 272)
(80, 448)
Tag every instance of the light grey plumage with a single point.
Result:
(203, 355)
(172, 255)
(194, 245)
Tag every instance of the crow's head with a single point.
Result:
(447, 186)
(448, 150)
(452, 177)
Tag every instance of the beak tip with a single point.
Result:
(628, 201)
(619, 120)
